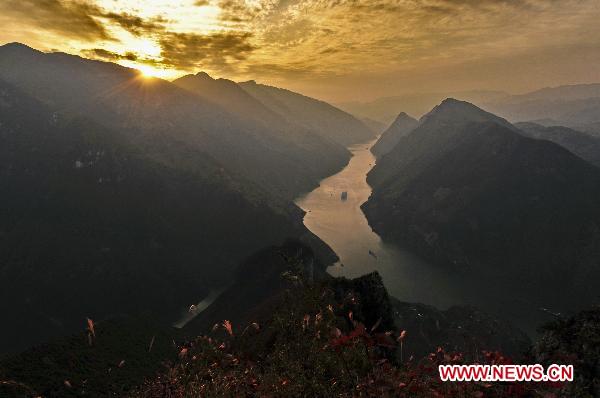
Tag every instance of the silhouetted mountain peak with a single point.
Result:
(404, 118)
(402, 126)
(204, 75)
(454, 106)
(16, 47)
(455, 111)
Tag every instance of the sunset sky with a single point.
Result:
(337, 50)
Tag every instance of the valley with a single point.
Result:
(299, 198)
(408, 277)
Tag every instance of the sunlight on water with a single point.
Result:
(344, 227)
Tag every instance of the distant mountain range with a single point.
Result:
(576, 106)
(385, 110)
(468, 189)
(584, 145)
(124, 193)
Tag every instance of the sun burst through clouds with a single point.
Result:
(324, 48)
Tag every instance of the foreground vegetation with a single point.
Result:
(331, 337)
(325, 344)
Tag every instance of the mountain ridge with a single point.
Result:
(402, 125)
(489, 212)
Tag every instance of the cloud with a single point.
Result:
(100, 53)
(238, 11)
(135, 24)
(297, 42)
(190, 50)
(69, 19)
(78, 19)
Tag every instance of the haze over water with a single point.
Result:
(343, 226)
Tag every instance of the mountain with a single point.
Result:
(450, 112)
(94, 226)
(385, 109)
(565, 93)
(153, 111)
(466, 189)
(403, 125)
(124, 193)
(586, 146)
(263, 284)
(320, 117)
(318, 157)
(576, 106)
(229, 95)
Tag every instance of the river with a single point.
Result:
(343, 226)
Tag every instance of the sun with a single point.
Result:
(150, 72)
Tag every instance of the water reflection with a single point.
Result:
(344, 227)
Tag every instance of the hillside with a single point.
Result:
(403, 125)
(160, 117)
(586, 146)
(466, 189)
(318, 157)
(300, 326)
(329, 122)
(88, 218)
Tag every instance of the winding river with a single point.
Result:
(343, 226)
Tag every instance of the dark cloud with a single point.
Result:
(72, 19)
(100, 53)
(189, 50)
(237, 11)
(201, 3)
(135, 24)
(77, 19)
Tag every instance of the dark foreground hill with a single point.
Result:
(466, 189)
(121, 193)
(305, 334)
(93, 225)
